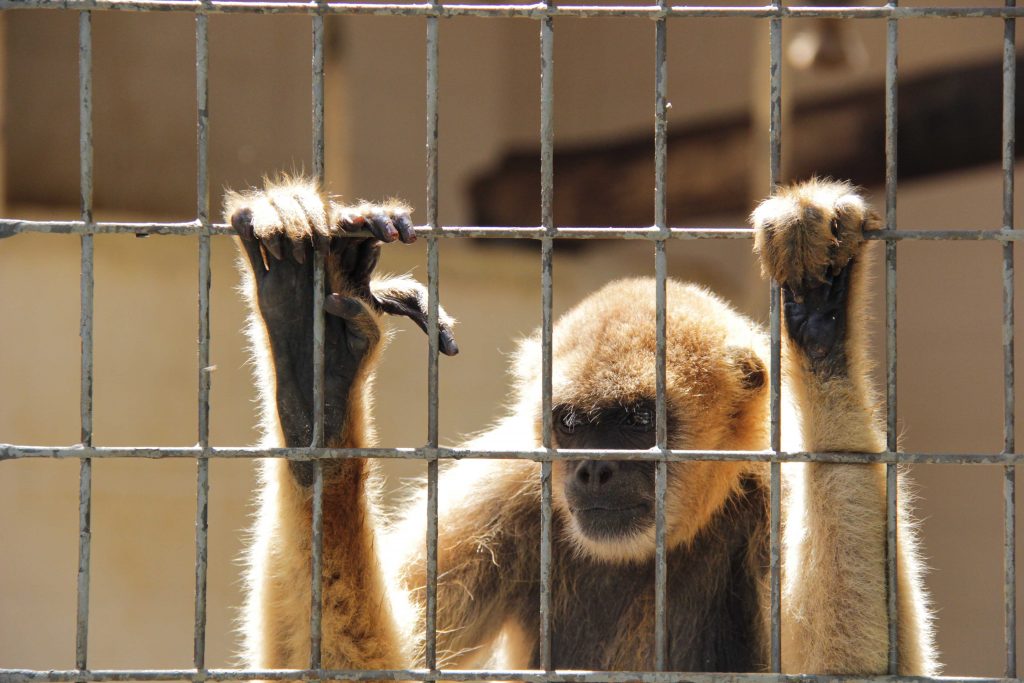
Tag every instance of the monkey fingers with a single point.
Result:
(361, 331)
(810, 230)
(241, 221)
(816, 319)
(355, 260)
(407, 297)
(403, 222)
(273, 244)
(263, 249)
(299, 248)
(809, 238)
(387, 222)
(352, 261)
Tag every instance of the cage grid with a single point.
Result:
(545, 233)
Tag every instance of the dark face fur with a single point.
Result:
(608, 500)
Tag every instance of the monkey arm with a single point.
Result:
(487, 555)
(810, 238)
(280, 228)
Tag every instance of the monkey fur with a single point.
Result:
(809, 237)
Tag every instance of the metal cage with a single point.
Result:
(542, 12)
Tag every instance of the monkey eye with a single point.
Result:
(836, 228)
(568, 421)
(642, 418)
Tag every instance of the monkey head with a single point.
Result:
(603, 397)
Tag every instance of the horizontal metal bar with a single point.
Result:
(12, 226)
(16, 452)
(529, 10)
(522, 675)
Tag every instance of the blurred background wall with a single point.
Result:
(950, 372)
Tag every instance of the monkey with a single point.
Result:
(809, 237)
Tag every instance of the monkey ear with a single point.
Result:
(873, 221)
(752, 372)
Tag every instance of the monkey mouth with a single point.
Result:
(604, 521)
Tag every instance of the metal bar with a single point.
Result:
(84, 556)
(85, 150)
(202, 535)
(775, 328)
(18, 452)
(660, 568)
(318, 98)
(891, 484)
(202, 464)
(547, 147)
(546, 233)
(1009, 473)
(523, 675)
(661, 337)
(13, 226)
(546, 655)
(431, 541)
(316, 554)
(433, 330)
(316, 569)
(527, 10)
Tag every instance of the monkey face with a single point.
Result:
(609, 505)
(608, 500)
(603, 386)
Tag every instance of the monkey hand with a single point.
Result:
(808, 237)
(279, 229)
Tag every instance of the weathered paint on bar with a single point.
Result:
(528, 11)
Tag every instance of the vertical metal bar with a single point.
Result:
(775, 489)
(1009, 480)
(1009, 483)
(433, 290)
(547, 141)
(85, 151)
(891, 472)
(660, 303)
(775, 328)
(316, 566)
(316, 560)
(203, 463)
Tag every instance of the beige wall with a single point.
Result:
(145, 322)
(489, 77)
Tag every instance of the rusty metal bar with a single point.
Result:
(547, 172)
(775, 372)
(85, 150)
(202, 214)
(891, 472)
(18, 452)
(661, 337)
(13, 226)
(537, 10)
(316, 553)
(519, 675)
(546, 233)
(433, 330)
(1009, 412)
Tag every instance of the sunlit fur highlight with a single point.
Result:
(833, 515)
(604, 351)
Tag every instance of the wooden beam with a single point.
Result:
(948, 120)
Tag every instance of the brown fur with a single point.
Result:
(834, 589)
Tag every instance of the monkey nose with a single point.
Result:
(593, 474)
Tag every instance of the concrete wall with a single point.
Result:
(950, 360)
